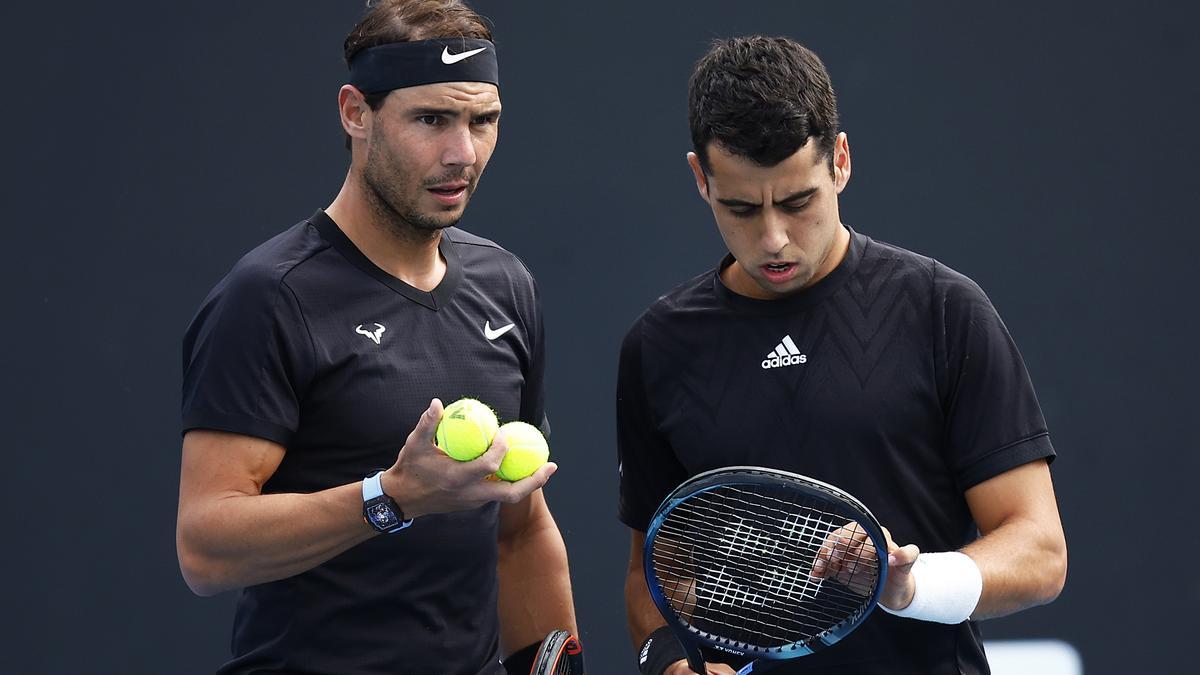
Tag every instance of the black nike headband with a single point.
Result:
(410, 64)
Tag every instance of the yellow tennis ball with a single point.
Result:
(527, 451)
(466, 429)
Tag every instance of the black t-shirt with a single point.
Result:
(309, 344)
(892, 378)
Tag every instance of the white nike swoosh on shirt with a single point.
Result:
(451, 59)
(493, 334)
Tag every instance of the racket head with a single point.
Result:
(729, 555)
(560, 654)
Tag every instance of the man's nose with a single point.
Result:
(774, 233)
(460, 148)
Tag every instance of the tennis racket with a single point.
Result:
(763, 564)
(560, 654)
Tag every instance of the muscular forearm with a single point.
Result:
(535, 585)
(1023, 564)
(238, 539)
(641, 615)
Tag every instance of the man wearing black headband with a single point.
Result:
(312, 379)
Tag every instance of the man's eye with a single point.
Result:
(485, 119)
(796, 206)
(742, 212)
(431, 120)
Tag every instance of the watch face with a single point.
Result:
(382, 516)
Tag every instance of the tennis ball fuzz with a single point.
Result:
(466, 429)
(527, 451)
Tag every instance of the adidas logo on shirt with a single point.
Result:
(785, 354)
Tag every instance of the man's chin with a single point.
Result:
(435, 224)
(437, 219)
(440, 217)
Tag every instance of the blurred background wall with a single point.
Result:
(1046, 149)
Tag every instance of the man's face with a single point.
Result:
(426, 149)
(781, 223)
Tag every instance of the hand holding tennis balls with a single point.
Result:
(423, 481)
(466, 429)
(527, 451)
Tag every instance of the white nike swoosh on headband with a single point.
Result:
(451, 59)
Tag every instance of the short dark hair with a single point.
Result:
(390, 21)
(761, 98)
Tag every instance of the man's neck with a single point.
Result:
(415, 259)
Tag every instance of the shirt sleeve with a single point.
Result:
(993, 420)
(533, 395)
(647, 465)
(246, 359)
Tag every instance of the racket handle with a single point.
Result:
(695, 659)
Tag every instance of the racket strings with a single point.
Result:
(738, 563)
(716, 598)
(747, 545)
(718, 602)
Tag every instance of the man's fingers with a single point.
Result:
(521, 489)
(427, 425)
(891, 544)
(489, 462)
(819, 565)
(511, 493)
(840, 552)
(903, 557)
(537, 479)
(681, 667)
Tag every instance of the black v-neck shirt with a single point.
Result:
(308, 344)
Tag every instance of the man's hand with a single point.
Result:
(681, 668)
(425, 480)
(845, 557)
(900, 586)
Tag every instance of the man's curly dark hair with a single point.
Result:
(761, 98)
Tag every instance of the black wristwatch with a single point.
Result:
(379, 510)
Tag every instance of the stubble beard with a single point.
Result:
(398, 211)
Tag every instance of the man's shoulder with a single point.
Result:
(264, 269)
(905, 266)
(477, 250)
(690, 295)
(878, 256)
(694, 297)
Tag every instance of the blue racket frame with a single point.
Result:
(691, 638)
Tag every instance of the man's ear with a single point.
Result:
(698, 174)
(841, 162)
(353, 110)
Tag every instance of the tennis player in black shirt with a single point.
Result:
(815, 349)
(312, 378)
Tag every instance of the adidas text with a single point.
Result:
(781, 361)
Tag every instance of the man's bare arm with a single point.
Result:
(642, 616)
(1022, 554)
(229, 535)
(535, 582)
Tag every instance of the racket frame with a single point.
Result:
(555, 647)
(690, 637)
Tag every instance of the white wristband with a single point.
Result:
(948, 586)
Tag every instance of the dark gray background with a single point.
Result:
(1047, 151)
